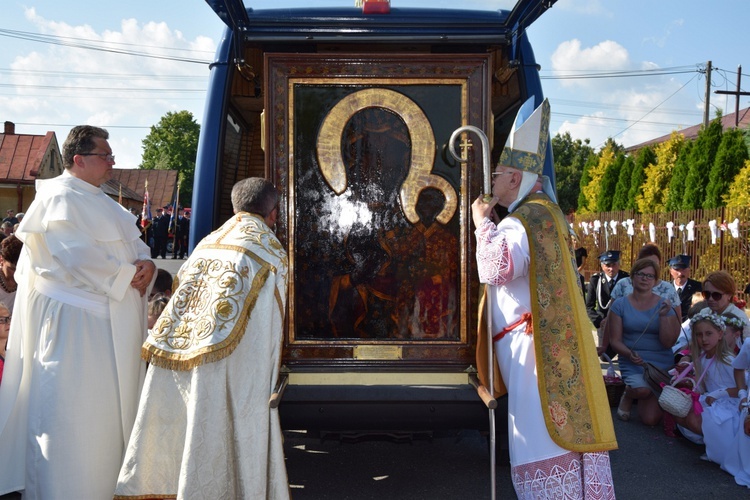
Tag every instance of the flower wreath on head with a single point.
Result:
(734, 322)
(713, 318)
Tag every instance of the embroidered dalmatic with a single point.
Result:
(204, 428)
(560, 424)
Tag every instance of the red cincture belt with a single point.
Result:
(525, 318)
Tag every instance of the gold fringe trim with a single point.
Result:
(185, 362)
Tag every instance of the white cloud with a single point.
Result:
(571, 57)
(65, 85)
(662, 41)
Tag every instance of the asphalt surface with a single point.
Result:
(455, 465)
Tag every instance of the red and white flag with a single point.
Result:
(146, 214)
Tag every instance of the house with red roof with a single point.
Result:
(24, 158)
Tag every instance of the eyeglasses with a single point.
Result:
(713, 295)
(103, 156)
(4, 320)
(648, 276)
(501, 173)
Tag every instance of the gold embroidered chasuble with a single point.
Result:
(574, 400)
(214, 293)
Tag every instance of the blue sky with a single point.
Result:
(46, 86)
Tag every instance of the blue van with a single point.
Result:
(350, 114)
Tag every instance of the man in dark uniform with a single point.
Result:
(679, 269)
(181, 229)
(598, 291)
(161, 233)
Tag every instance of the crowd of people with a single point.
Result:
(118, 379)
(166, 225)
(692, 335)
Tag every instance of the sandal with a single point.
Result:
(623, 415)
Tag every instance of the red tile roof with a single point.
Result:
(162, 184)
(21, 156)
(727, 122)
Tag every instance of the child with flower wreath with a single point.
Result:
(737, 460)
(714, 417)
(733, 332)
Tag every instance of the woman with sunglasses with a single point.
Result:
(719, 289)
(643, 328)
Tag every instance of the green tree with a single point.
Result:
(570, 159)
(620, 199)
(679, 174)
(701, 159)
(583, 203)
(609, 183)
(653, 196)
(738, 194)
(597, 171)
(643, 159)
(730, 158)
(172, 144)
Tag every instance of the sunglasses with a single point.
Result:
(713, 295)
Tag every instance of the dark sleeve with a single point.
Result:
(594, 315)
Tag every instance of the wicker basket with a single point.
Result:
(613, 384)
(678, 401)
(675, 401)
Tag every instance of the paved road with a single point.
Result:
(648, 465)
(171, 265)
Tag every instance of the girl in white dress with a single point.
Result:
(715, 420)
(737, 459)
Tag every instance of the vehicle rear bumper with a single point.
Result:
(387, 408)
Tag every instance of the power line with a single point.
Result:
(652, 110)
(85, 43)
(102, 76)
(594, 75)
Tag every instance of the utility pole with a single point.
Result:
(707, 105)
(737, 93)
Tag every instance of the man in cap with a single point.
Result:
(559, 421)
(161, 233)
(601, 285)
(679, 269)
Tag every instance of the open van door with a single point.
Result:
(350, 115)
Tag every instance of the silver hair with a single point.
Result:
(255, 195)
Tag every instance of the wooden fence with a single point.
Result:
(711, 250)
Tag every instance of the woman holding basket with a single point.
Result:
(644, 328)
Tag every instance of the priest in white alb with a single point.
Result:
(73, 372)
(204, 428)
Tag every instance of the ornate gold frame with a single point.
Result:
(287, 71)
